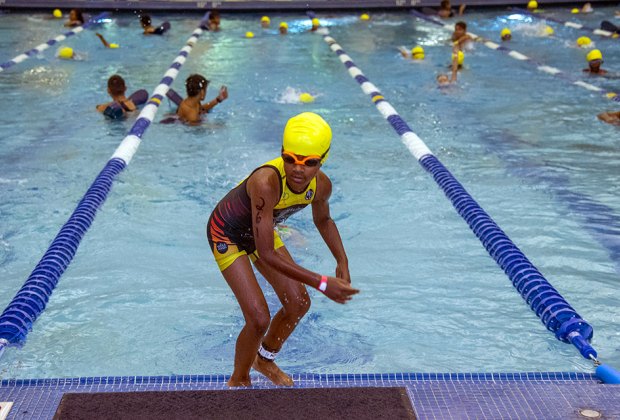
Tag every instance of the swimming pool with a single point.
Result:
(143, 295)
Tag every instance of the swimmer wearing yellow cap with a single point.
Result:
(583, 41)
(505, 34)
(265, 22)
(417, 53)
(241, 230)
(532, 5)
(365, 16)
(283, 28)
(57, 14)
(315, 24)
(595, 60)
(66, 53)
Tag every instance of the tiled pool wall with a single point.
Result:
(534, 395)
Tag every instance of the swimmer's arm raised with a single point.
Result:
(327, 227)
(218, 99)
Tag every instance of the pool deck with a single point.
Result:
(258, 5)
(540, 395)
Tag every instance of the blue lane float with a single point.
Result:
(552, 309)
(522, 57)
(40, 48)
(568, 24)
(30, 301)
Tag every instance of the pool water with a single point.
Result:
(143, 295)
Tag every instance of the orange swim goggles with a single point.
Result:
(311, 161)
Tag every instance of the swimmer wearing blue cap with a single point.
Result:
(191, 108)
(241, 230)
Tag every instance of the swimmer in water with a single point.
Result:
(241, 230)
(460, 37)
(265, 22)
(595, 59)
(75, 18)
(116, 90)
(191, 107)
(610, 117)
(283, 28)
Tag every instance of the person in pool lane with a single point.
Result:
(595, 59)
(116, 90)
(191, 108)
(241, 229)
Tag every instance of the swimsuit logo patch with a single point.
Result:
(221, 247)
(309, 194)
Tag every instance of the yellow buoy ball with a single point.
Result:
(365, 16)
(113, 45)
(57, 13)
(574, 11)
(66, 53)
(548, 30)
(583, 41)
(306, 98)
(417, 53)
(532, 5)
(249, 34)
(460, 59)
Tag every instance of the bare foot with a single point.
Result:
(236, 383)
(272, 372)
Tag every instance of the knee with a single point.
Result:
(298, 307)
(259, 322)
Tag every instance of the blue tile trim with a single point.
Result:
(327, 377)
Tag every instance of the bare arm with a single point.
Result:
(610, 117)
(218, 99)
(327, 227)
(263, 187)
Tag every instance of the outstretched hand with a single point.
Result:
(339, 290)
(223, 93)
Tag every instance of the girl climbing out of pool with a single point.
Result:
(75, 18)
(190, 109)
(241, 230)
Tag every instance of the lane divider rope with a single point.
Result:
(40, 48)
(19, 316)
(522, 57)
(554, 312)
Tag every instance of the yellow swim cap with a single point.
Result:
(574, 11)
(594, 55)
(532, 4)
(460, 59)
(315, 22)
(365, 16)
(265, 19)
(65, 53)
(306, 98)
(505, 32)
(548, 30)
(417, 53)
(582, 41)
(113, 45)
(283, 25)
(307, 134)
(249, 34)
(57, 13)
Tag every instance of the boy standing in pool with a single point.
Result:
(191, 108)
(241, 229)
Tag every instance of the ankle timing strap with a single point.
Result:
(266, 354)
